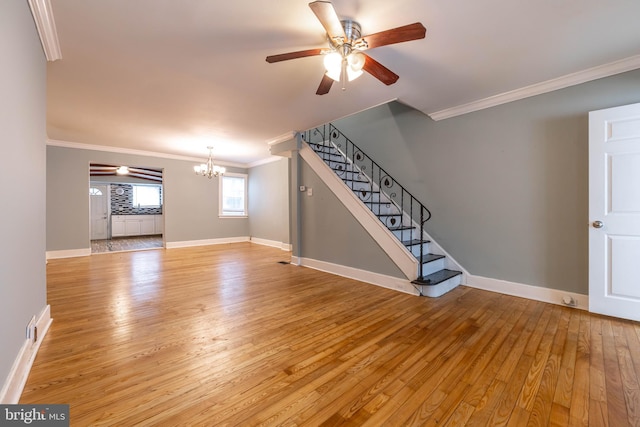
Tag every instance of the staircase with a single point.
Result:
(398, 211)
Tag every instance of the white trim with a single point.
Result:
(271, 243)
(382, 280)
(266, 161)
(68, 253)
(398, 253)
(17, 378)
(572, 79)
(535, 293)
(355, 112)
(120, 150)
(46, 25)
(245, 213)
(206, 242)
(282, 138)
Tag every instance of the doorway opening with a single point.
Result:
(126, 208)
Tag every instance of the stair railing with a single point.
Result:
(367, 179)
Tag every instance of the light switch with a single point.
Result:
(309, 191)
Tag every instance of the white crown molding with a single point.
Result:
(282, 138)
(264, 161)
(573, 79)
(109, 149)
(46, 25)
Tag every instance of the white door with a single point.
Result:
(614, 212)
(98, 199)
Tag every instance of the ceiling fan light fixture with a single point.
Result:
(333, 65)
(356, 61)
(353, 74)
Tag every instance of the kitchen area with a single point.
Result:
(126, 209)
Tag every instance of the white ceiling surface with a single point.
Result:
(173, 77)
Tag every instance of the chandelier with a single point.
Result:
(209, 169)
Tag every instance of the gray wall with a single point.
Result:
(508, 186)
(190, 201)
(269, 201)
(23, 125)
(328, 231)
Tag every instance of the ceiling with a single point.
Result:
(173, 77)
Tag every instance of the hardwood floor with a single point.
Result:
(226, 335)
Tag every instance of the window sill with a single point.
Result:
(233, 216)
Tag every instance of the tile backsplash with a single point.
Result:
(122, 204)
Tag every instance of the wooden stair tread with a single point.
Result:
(401, 227)
(430, 257)
(437, 277)
(415, 242)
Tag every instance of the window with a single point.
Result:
(146, 196)
(233, 195)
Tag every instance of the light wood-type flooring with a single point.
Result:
(227, 335)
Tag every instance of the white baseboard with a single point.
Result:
(272, 243)
(17, 378)
(206, 242)
(69, 253)
(382, 280)
(536, 293)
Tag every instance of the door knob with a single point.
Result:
(598, 224)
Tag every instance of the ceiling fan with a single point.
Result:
(345, 58)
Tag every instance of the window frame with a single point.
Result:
(134, 196)
(233, 214)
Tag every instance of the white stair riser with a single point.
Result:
(382, 209)
(442, 287)
(367, 196)
(394, 221)
(340, 166)
(406, 234)
(433, 266)
(415, 249)
(348, 174)
(358, 186)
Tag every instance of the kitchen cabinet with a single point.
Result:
(135, 225)
(159, 224)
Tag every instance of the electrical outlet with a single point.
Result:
(32, 330)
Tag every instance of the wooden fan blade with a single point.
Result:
(379, 71)
(293, 55)
(328, 17)
(325, 85)
(396, 35)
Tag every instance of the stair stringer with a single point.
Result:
(398, 253)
